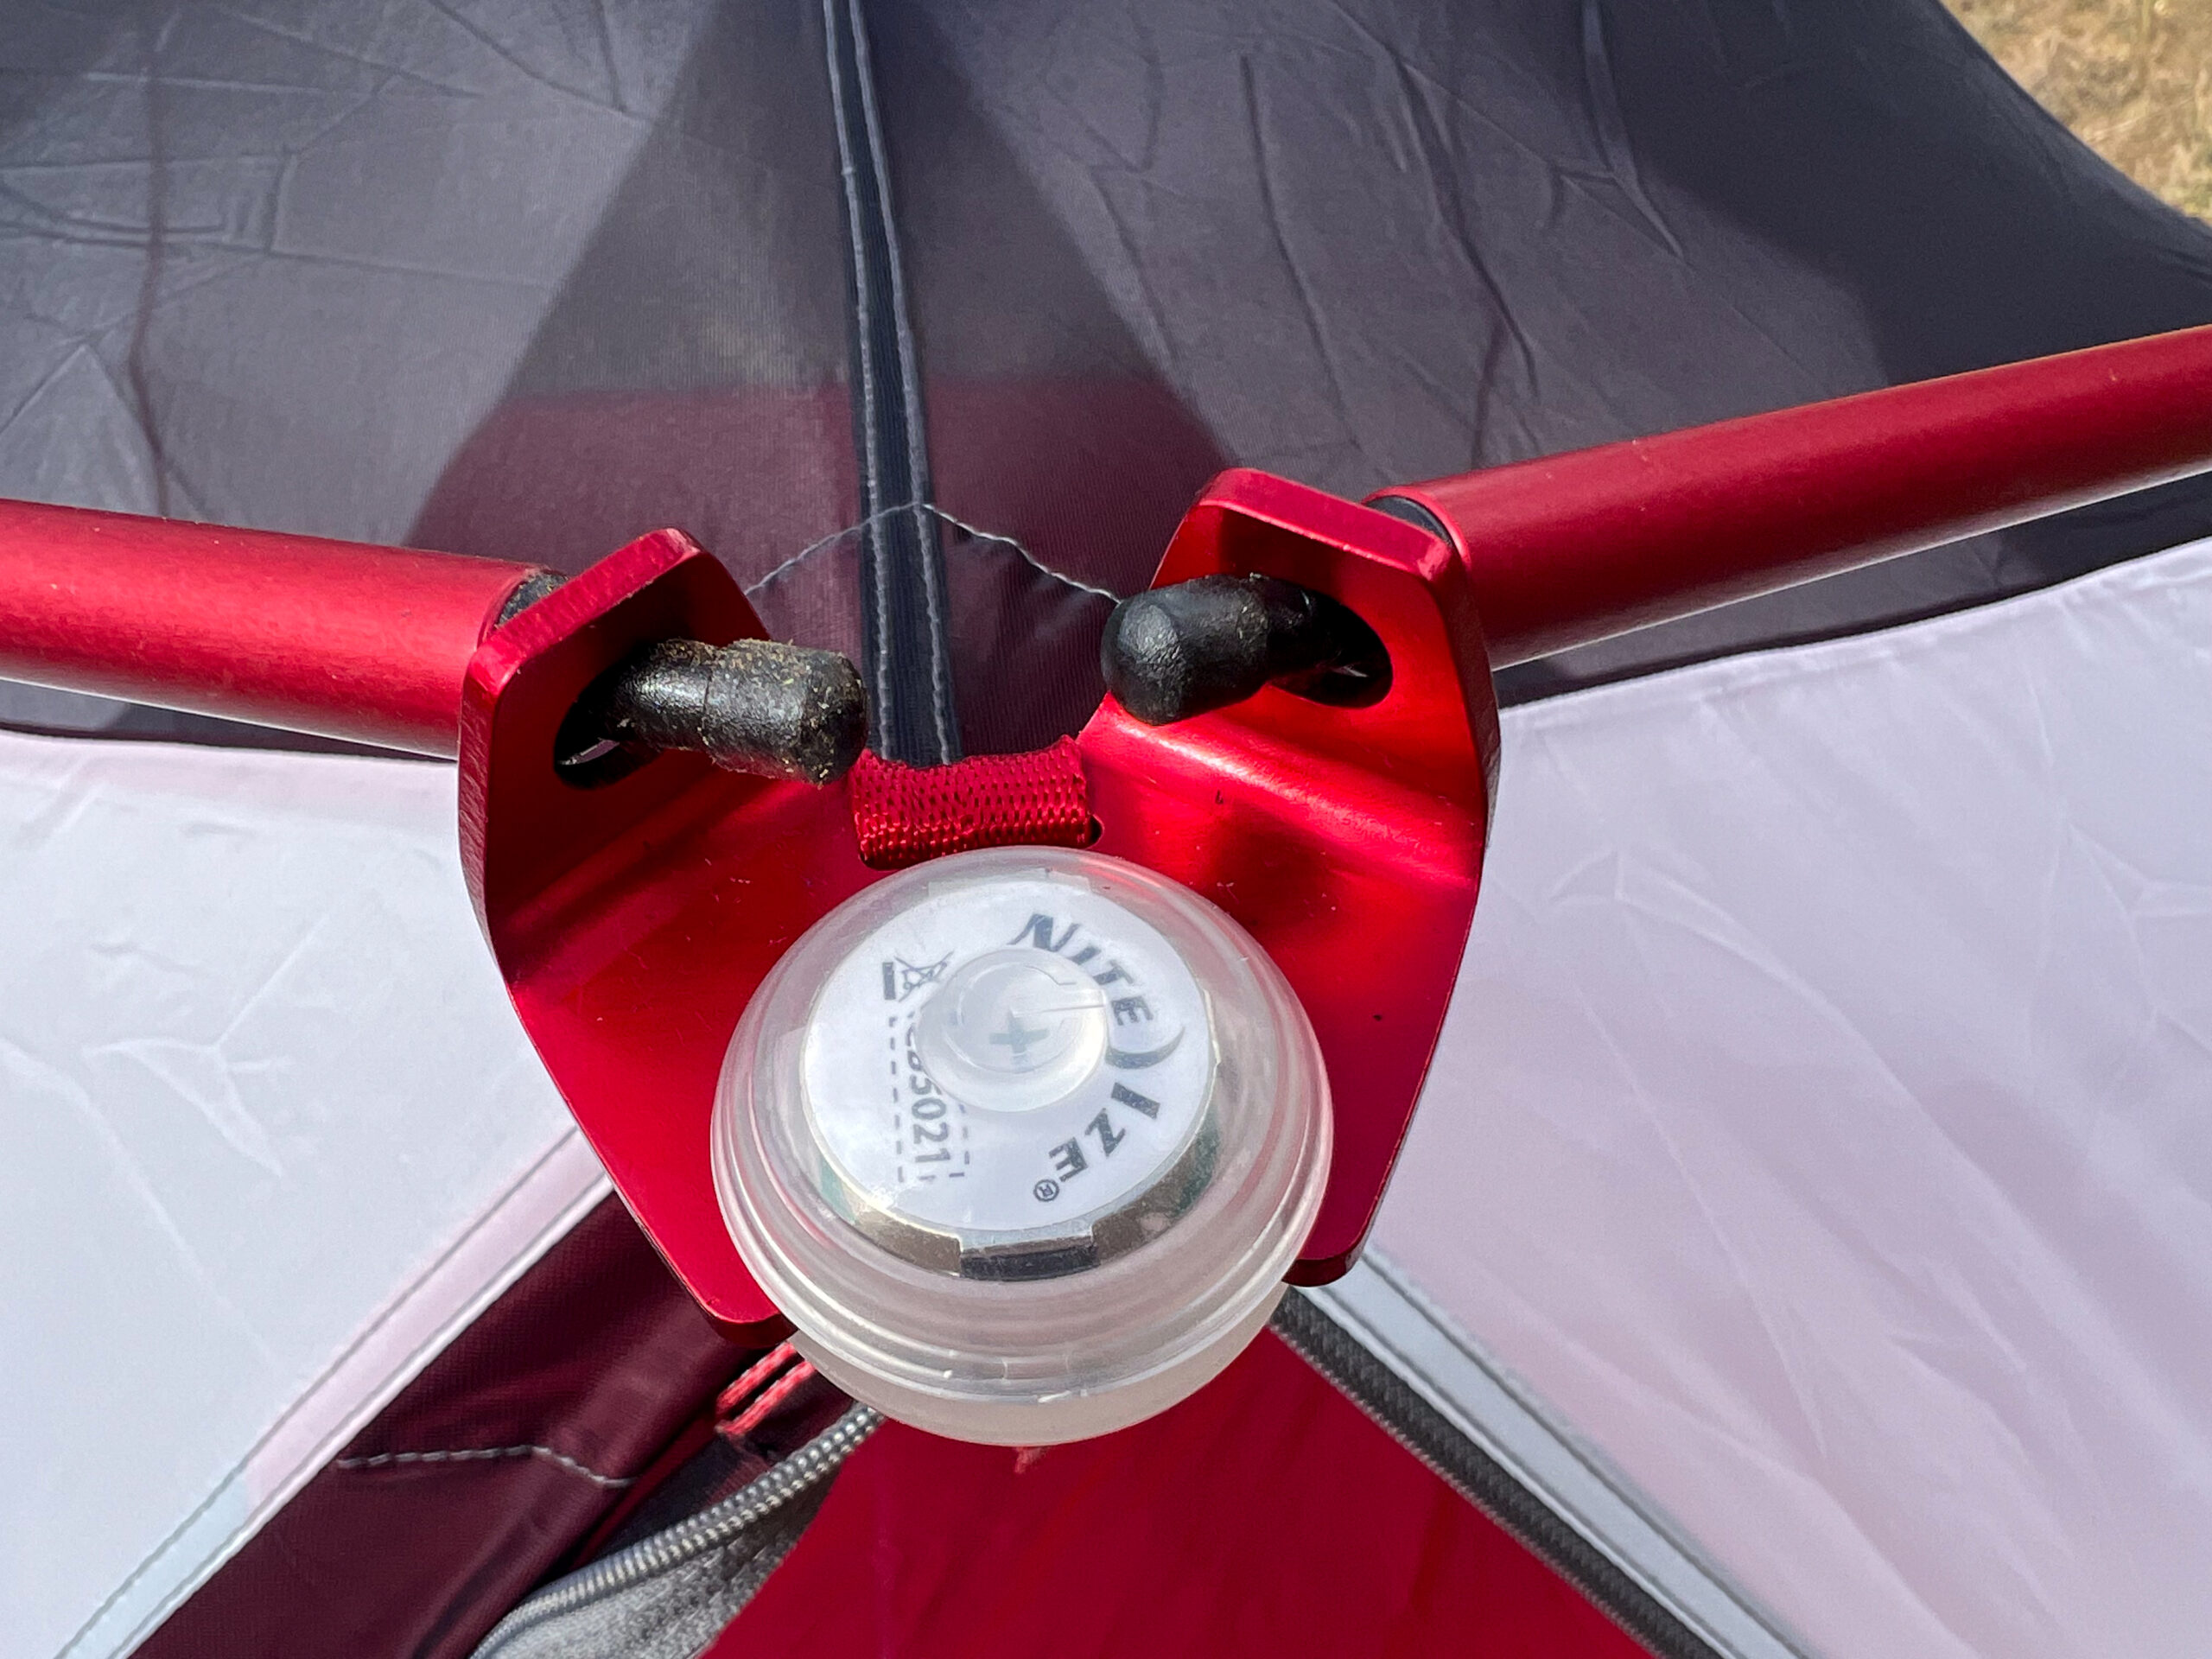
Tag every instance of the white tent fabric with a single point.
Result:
(270, 1135)
(1823, 1125)
(1821, 1128)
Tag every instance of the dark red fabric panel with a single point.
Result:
(1264, 1518)
(596, 1357)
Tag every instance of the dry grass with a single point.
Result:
(2131, 78)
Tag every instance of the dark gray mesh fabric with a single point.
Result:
(1375, 241)
(273, 264)
(689, 367)
(532, 280)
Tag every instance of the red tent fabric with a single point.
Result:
(1312, 1535)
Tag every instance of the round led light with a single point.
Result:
(1022, 1141)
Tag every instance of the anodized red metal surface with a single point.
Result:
(368, 644)
(1572, 549)
(632, 923)
(1348, 840)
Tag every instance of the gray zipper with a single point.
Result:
(1416, 1425)
(710, 1530)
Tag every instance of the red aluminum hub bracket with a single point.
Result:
(632, 921)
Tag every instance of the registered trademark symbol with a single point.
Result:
(1047, 1190)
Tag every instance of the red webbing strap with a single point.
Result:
(905, 814)
(745, 1404)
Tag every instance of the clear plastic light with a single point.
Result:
(1022, 1141)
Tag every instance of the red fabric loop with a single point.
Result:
(905, 814)
(735, 1415)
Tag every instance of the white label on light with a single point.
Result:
(1008, 1058)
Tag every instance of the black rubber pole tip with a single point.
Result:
(774, 710)
(1195, 647)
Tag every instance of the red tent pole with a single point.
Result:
(372, 643)
(369, 644)
(1575, 548)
